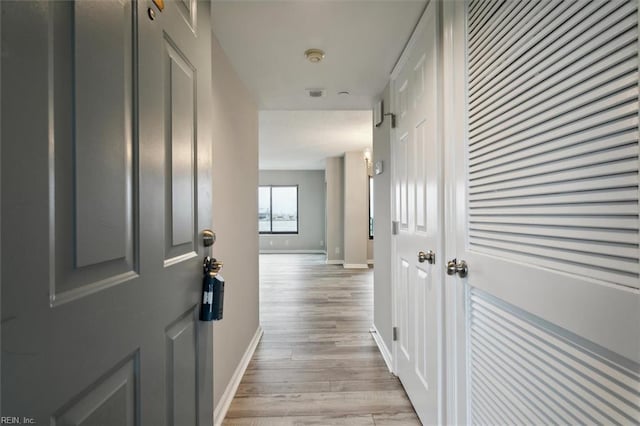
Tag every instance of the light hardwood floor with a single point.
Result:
(317, 364)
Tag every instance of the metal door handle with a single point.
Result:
(429, 256)
(457, 267)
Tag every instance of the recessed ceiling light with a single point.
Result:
(343, 93)
(314, 55)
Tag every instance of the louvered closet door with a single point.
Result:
(551, 232)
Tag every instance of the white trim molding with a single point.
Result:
(285, 251)
(408, 48)
(355, 266)
(334, 262)
(369, 261)
(225, 401)
(384, 350)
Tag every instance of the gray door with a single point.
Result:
(106, 186)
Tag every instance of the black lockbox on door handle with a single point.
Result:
(212, 290)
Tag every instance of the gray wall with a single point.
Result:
(334, 176)
(311, 211)
(235, 203)
(382, 228)
(356, 209)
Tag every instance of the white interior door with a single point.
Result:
(416, 187)
(546, 201)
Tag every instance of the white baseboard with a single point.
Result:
(384, 350)
(334, 262)
(285, 251)
(225, 401)
(356, 266)
(369, 261)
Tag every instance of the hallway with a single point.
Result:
(317, 363)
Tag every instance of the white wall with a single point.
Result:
(311, 211)
(382, 228)
(235, 203)
(356, 209)
(334, 178)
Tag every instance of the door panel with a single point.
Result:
(102, 136)
(106, 184)
(404, 313)
(111, 401)
(182, 354)
(548, 223)
(417, 286)
(91, 148)
(180, 120)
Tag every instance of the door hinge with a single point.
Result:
(395, 333)
(395, 226)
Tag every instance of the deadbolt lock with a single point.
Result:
(457, 267)
(208, 237)
(428, 256)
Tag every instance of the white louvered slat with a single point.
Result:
(510, 395)
(608, 48)
(506, 18)
(621, 383)
(588, 34)
(607, 249)
(618, 161)
(612, 120)
(576, 233)
(548, 153)
(553, 137)
(621, 61)
(573, 383)
(569, 92)
(520, 382)
(568, 373)
(479, 12)
(497, 57)
(551, 120)
(487, 15)
(609, 183)
(501, 28)
(499, 402)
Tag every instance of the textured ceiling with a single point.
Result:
(301, 140)
(265, 42)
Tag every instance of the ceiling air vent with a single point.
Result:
(315, 93)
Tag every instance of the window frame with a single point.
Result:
(272, 232)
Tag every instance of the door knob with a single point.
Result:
(457, 267)
(429, 256)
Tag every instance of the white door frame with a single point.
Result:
(455, 133)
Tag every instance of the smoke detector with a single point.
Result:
(316, 93)
(314, 55)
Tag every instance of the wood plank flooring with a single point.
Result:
(317, 364)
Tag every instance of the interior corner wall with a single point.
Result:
(356, 210)
(334, 180)
(235, 206)
(382, 317)
(311, 212)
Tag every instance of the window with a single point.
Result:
(278, 209)
(371, 207)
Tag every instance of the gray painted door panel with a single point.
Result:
(106, 185)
